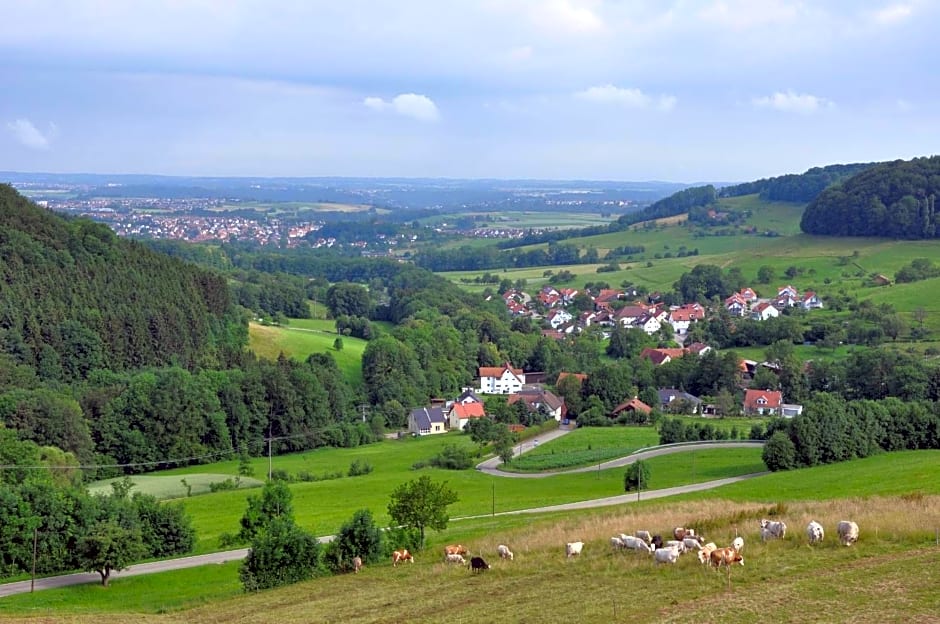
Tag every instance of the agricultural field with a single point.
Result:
(166, 487)
(302, 337)
(583, 447)
(888, 576)
(322, 506)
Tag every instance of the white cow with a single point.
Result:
(503, 551)
(573, 549)
(848, 532)
(705, 551)
(645, 536)
(815, 532)
(677, 544)
(666, 555)
(455, 558)
(738, 544)
(693, 543)
(635, 543)
(616, 542)
(772, 529)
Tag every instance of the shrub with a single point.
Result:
(779, 452)
(359, 467)
(359, 537)
(637, 476)
(281, 554)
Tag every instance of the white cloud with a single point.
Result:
(792, 102)
(631, 98)
(413, 105)
(892, 14)
(29, 135)
(746, 14)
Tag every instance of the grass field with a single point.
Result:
(303, 337)
(583, 447)
(166, 487)
(889, 576)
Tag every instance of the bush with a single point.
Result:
(779, 452)
(359, 537)
(281, 554)
(221, 486)
(637, 476)
(359, 467)
(453, 457)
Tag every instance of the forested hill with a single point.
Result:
(75, 298)
(796, 187)
(678, 203)
(896, 199)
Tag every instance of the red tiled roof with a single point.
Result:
(634, 404)
(470, 410)
(772, 398)
(497, 371)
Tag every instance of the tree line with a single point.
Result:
(895, 199)
(796, 187)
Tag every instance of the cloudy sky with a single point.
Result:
(685, 91)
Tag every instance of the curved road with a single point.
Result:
(22, 587)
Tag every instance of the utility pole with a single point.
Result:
(494, 499)
(32, 580)
(639, 480)
(270, 461)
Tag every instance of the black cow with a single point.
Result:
(477, 564)
(657, 541)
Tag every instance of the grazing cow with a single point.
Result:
(774, 529)
(645, 536)
(402, 555)
(680, 533)
(503, 551)
(691, 543)
(725, 556)
(478, 565)
(677, 544)
(455, 549)
(657, 541)
(666, 555)
(573, 548)
(815, 532)
(357, 564)
(455, 558)
(634, 543)
(704, 553)
(616, 542)
(848, 532)
(738, 544)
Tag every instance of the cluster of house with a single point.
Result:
(442, 416)
(649, 316)
(746, 303)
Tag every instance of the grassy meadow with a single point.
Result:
(322, 506)
(303, 337)
(888, 576)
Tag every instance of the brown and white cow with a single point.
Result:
(455, 549)
(725, 556)
(357, 564)
(402, 555)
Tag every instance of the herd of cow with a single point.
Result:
(684, 540)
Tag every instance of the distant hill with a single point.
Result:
(895, 199)
(75, 298)
(796, 187)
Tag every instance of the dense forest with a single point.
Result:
(896, 199)
(796, 187)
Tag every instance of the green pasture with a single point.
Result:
(165, 487)
(895, 564)
(583, 447)
(303, 337)
(322, 506)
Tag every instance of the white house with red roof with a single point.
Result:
(789, 291)
(648, 323)
(462, 413)
(736, 305)
(683, 316)
(763, 311)
(748, 294)
(558, 317)
(811, 301)
(762, 402)
(501, 379)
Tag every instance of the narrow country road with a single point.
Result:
(52, 582)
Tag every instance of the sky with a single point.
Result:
(683, 91)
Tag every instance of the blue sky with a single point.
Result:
(684, 91)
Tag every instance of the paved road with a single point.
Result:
(491, 466)
(22, 587)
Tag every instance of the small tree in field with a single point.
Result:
(281, 554)
(338, 344)
(108, 547)
(359, 537)
(779, 452)
(637, 476)
(421, 503)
